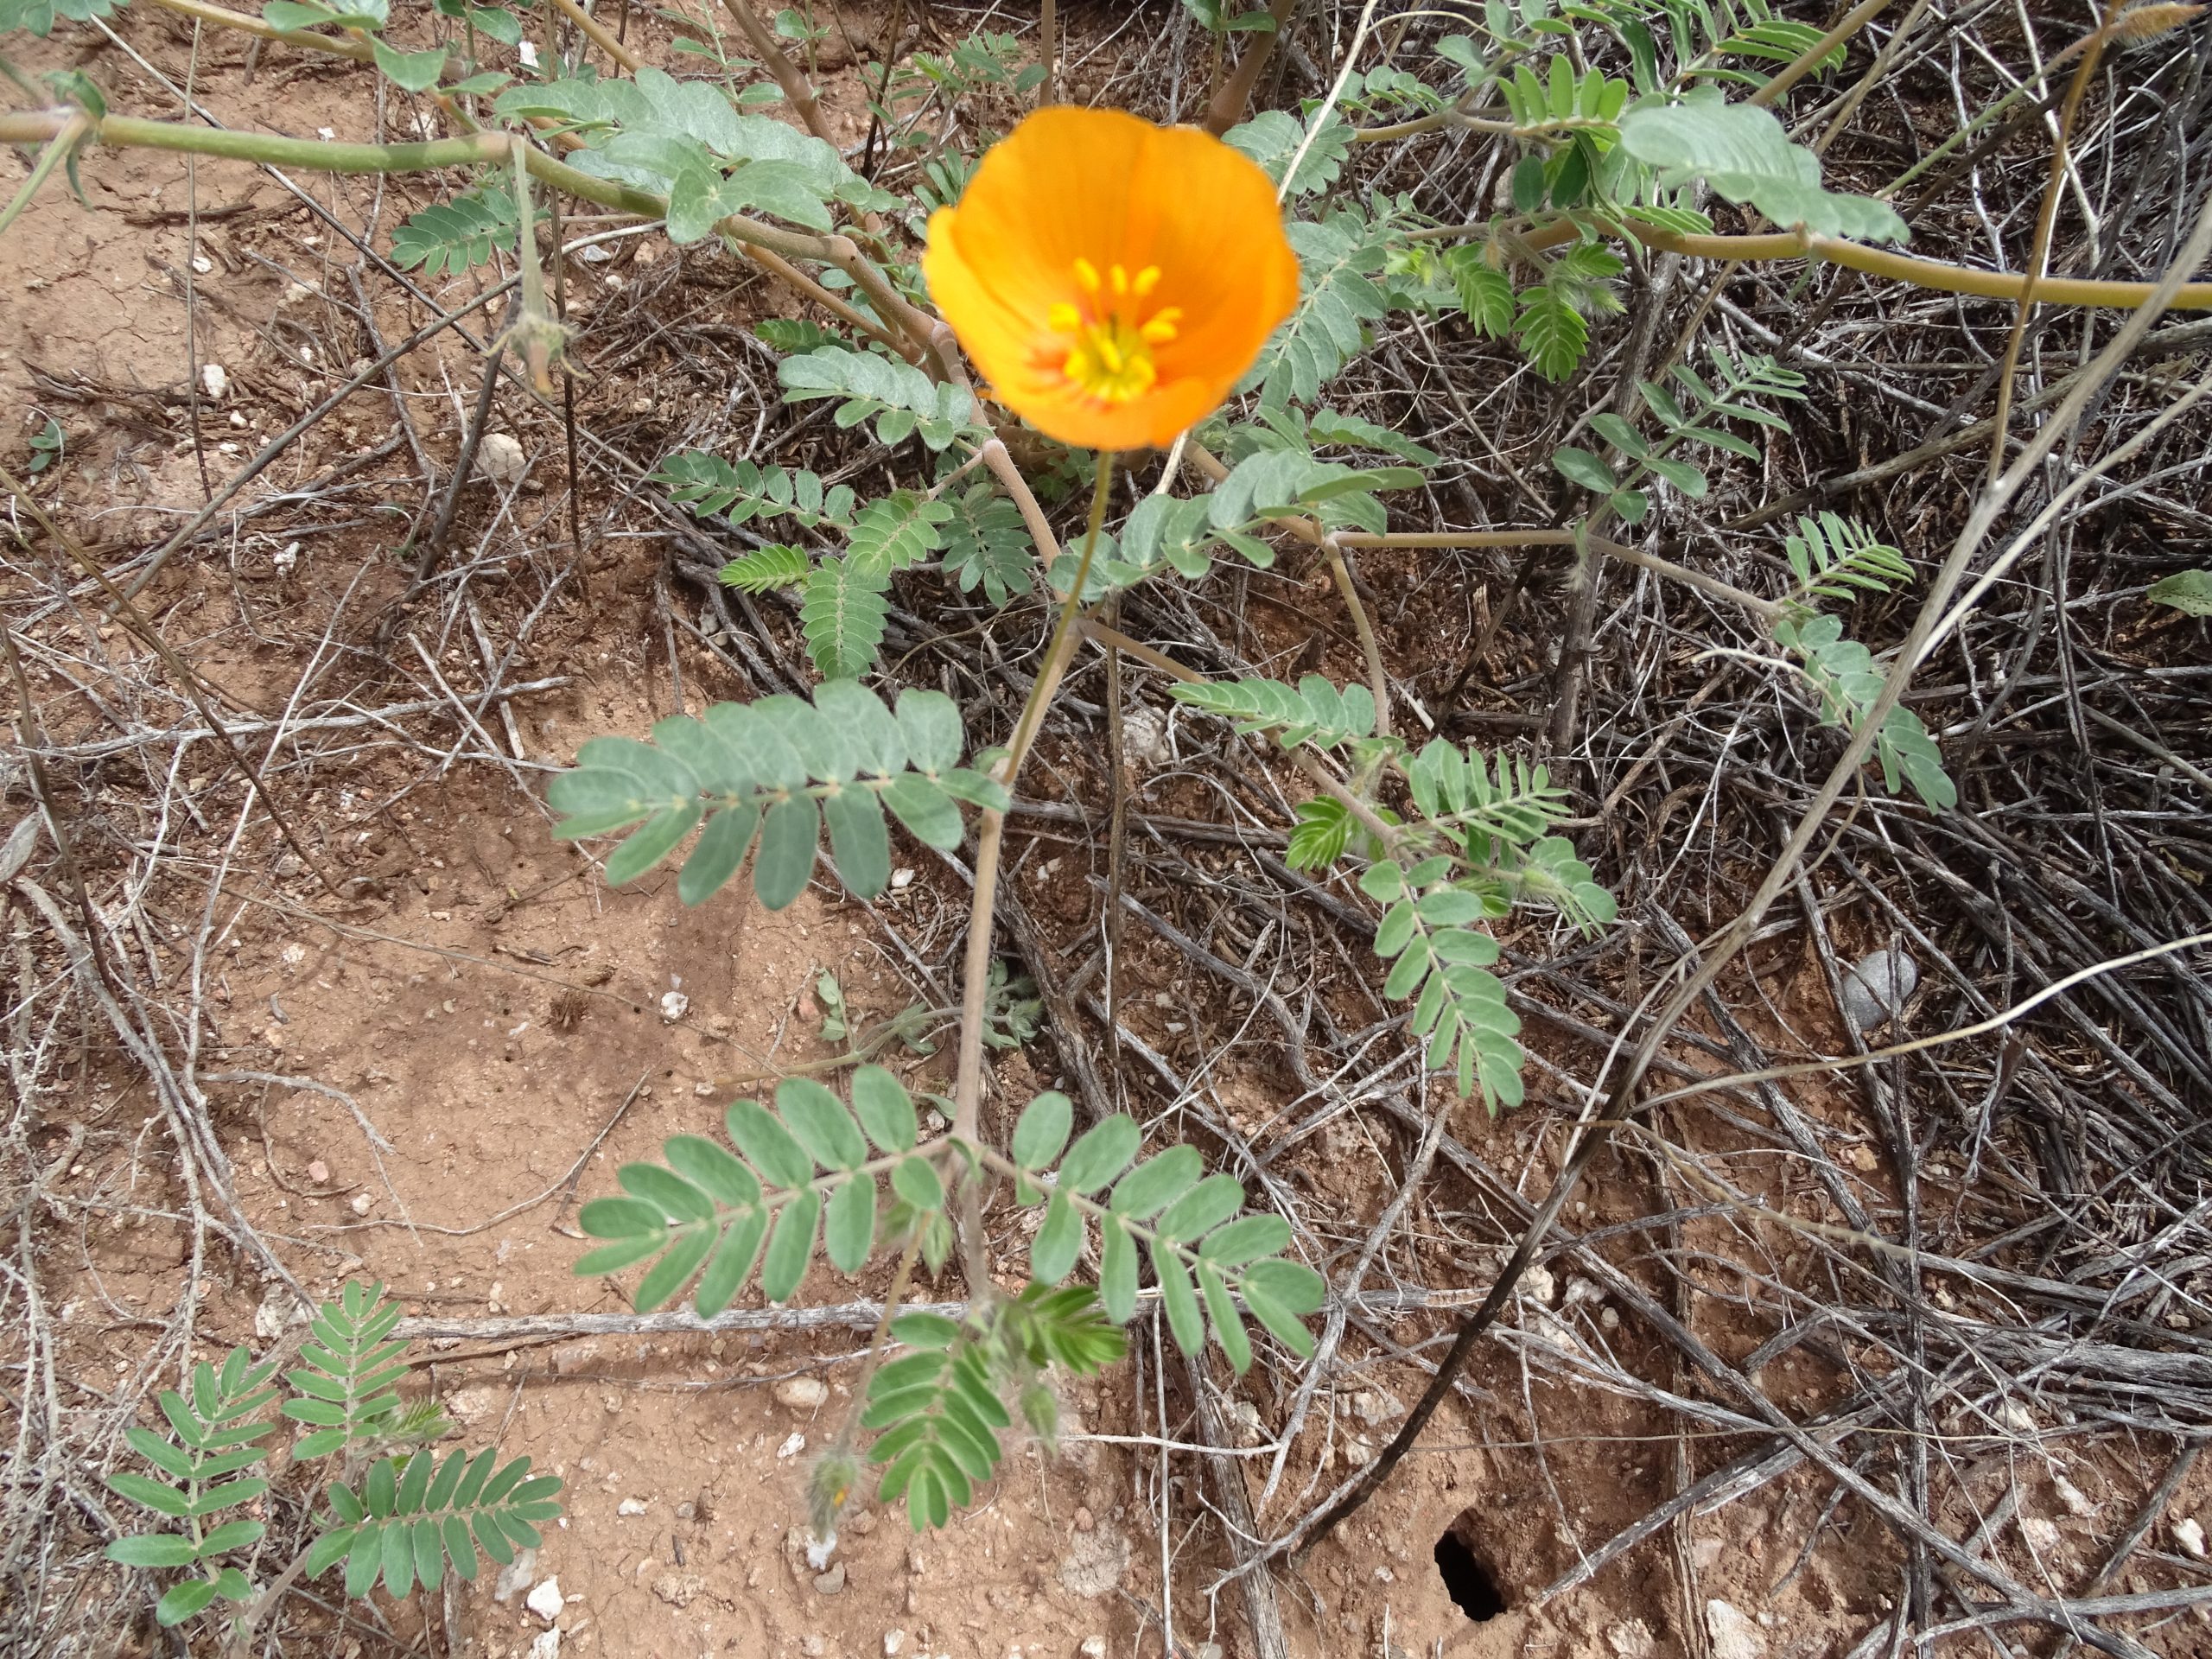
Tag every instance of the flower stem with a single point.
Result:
(967, 1084)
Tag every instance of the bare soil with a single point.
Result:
(417, 1087)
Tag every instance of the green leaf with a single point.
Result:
(1485, 292)
(449, 237)
(1205, 1206)
(916, 1180)
(720, 850)
(673, 1271)
(647, 846)
(183, 1600)
(731, 1265)
(1100, 1154)
(153, 1549)
(843, 615)
(767, 1145)
(987, 545)
(1117, 1271)
(1043, 1130)
(858, 839)
(1552, 333)
(1272, 137)
(821, 1123)
(414, 72)
(790, 1247)
(766, 569)
(1221, 1312)
(848, 1227)
(1059, 1242)
(1246, 1239)
(1580, 467)
(885, 1110)
(2189, 592)
(1178, 1297)
(1744, 153)
(786, 858)
(1157, 1182)
(926, 810)
(150, 1494)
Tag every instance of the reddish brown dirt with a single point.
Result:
(445, 1010)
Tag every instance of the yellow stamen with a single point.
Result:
(1111, 357)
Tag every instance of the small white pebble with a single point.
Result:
(630, 1506)
(793, 1446)
(214, 379)
(2190, 1535)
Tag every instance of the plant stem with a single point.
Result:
(967, 1084)
(1378, 678)
(780, 65)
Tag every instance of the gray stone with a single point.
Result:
(1876, 989)
(1097, 1562)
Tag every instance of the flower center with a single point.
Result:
(1111, 354)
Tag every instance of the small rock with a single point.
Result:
(2077, 1504)
(1085, 1521)
(1631, 1640)
(547, 1646)
(2015, 1418)
(500, 457)
(801, 1393)
(1359, 1450)
(793, 1446)
(471, 1406)
(1095, 1563)
(1865, 1159)
(1377, 1405)
(1094, 1647)
(813, 1646)
(361, 1203)
(674, 1005)
(630, 1506)
(901, 879)
(677, 1589)
(319, 1172)
(892, 1642)
(861, 1523)
(545, 1599)
(278, 1309)
(214, 380)
(1243, 1422)
(1206, 1650)
(831, 1583)
(2042, 1534)
(1734, 1636)
(514, 1578)
(1537, 1283)
(1875, 990)
(2189, 1533)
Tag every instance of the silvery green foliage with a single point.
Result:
(1480, 843)
(414, 1515)
(764, 777)
(816, 1177)
(684, 140)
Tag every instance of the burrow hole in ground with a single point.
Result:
(1469, 1574)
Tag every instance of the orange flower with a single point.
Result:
(1112, 279)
